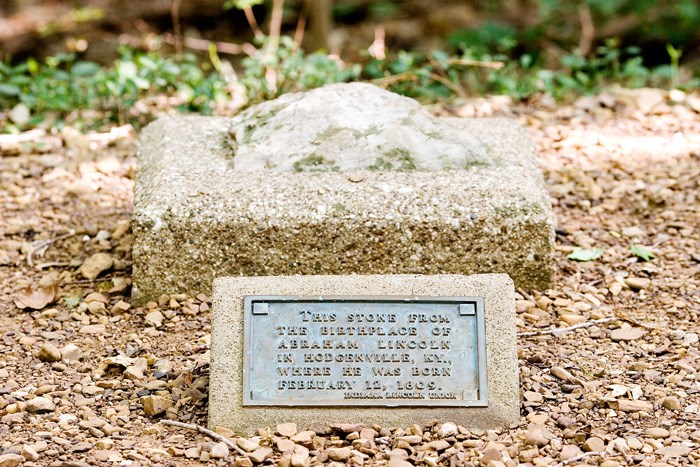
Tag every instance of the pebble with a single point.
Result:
(303, 437)
(10, 460)
(284, 444)
(155, 405)
(107, 455)
(219, 451)
(532, 396)
(154, 318)
(537, 436)
(247, 445)
(29, 453)
(677, 450)
(626, 334)
(625, 405)
(339, 454)
(287, 429)
(637, 283)
(569, 451)
(438, 445)
(40, 404)
(657, 433)
(49, 353)
(300, 458)
(259, 455)
(243, 462)
(671, 403)
(594, 444)
(71, 353)
(192, 453)
(93, 329)
(447, 429)
(95, 265)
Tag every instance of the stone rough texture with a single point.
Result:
(196, 217)
(226, 381)
(349, 127)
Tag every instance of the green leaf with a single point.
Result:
(9, 90)
(582, 254)
(72, 302)
(642, 252)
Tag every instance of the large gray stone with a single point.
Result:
(227, 347)
(344, 127)
(202, 212)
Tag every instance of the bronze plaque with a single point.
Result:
(360, 350)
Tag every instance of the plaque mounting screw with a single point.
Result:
(467, 309)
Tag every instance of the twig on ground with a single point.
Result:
(54, 264)
(559, 331)
(204, 431)
(579, 457)
(44, 244)
(622, 317)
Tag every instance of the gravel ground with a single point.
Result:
(608, 358)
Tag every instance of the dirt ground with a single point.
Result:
(86, 379)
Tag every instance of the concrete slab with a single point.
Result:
(227, 348)
(197, 216)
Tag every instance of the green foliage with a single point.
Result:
(282, 67)
(582, 254)
(62, 85)
(642, 252)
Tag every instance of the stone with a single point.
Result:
(10, 460)
(259, 455)
(219, 451)
(671, 403)
(568, 451)
(247, 445)
(30, 453)
(627, 334)
(154, 318)
(287, 429)
(537, 436)
(243, 462)
(637, 283)
(40, 405)
(447, 429)
(93, 329)
(49, 353)
(594, 444)
(339, 454)
(225, 387)
(625, 405)
(657, 432)
(675, 450)
(196, 218)
(95, 265)
(71, 353)
(284, 444)
(155, 405)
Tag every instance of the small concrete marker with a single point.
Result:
(344, 179)
(392, 350)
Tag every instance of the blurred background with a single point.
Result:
(62, 55)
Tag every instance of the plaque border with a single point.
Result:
(249, 310)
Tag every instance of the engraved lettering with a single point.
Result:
(352, 371)
(313, 317)
(435, 371)
(399, 345)
(381, 371)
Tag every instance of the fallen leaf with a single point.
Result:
(642, 252)
(582, 254)
(36, 299)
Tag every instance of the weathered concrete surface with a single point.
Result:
(226, 378)
(197, 217)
